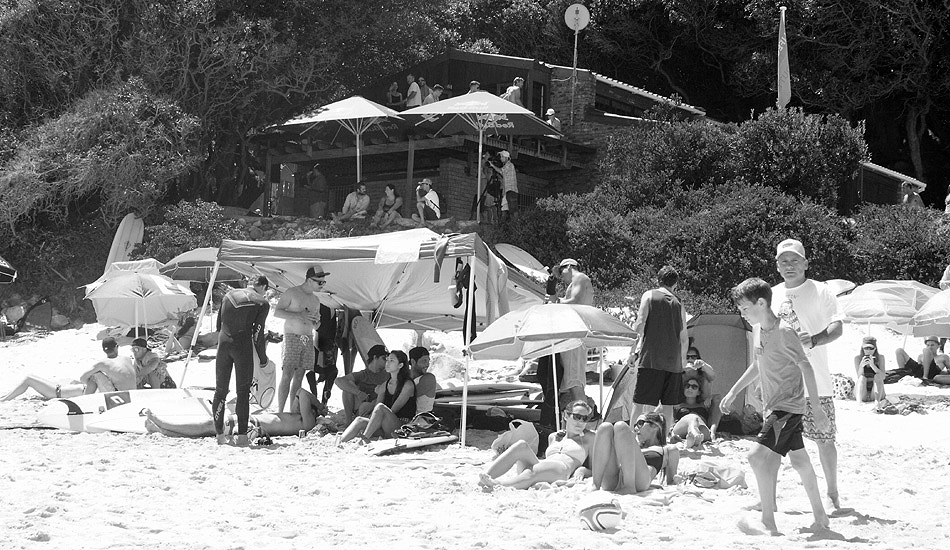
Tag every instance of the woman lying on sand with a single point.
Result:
(308, 408)
(697, 416)
(626, 463)
(564, 458)
(395, 403)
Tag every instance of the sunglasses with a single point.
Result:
(869, 348)
(694, 357)
(640, 424)
(320, 282)
(694, 386)
(578, 416)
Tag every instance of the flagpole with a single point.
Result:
(784, 75)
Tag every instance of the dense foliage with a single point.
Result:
(189, 225)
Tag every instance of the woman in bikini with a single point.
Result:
(564, 458)
(697, 416)
(626, 460)
(395, 403)
(388, 209)
(869, 367)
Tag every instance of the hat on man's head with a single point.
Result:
(932, 339)
(378, 350)
(437, 87)
(426, 181)
(549, 112)
(316, 271)
(566, 262)
(109, 343)
(474, 83)
(790, 245)
(139, 343)
(417, 352)
(504, 153)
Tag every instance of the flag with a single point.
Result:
(784, 76)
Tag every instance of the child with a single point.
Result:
(783, 372)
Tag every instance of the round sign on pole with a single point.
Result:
(577, 17)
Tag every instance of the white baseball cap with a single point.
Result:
(790, 245)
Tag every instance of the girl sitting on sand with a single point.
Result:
(697, 416)
(869, 366)
(626, 460)
(395, 403)
(564, 458)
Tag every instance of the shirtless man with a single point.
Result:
(150, 370)
(308, 408)
(300, 310)
(110, 374)
(579, 291)
(930, 364)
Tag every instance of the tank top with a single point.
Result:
(661, 333)
(409, 409)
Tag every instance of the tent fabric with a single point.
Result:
(725, 342)
(403, 294)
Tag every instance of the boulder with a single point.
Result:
(59, 322)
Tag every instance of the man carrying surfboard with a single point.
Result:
(300, 309)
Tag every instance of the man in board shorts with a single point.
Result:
(300, 310)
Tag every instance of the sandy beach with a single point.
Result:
(78, 490)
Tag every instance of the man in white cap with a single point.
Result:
(552, 120)
(428, 205)
(509, 180)
(810, 307)
(579, 291)
(300, 310)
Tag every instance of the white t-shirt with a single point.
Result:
(413, 100)
(810, 307)
(432, 201)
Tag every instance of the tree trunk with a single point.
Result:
(915, 124)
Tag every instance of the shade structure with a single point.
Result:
(197, 265)
(7, 272)
(886, 301)
(349, 117)
(477, 113)
(550, 328)
(129, 297)
(840, 286)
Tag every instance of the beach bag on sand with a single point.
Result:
(710, 475)
(519, 430)
(421, 426)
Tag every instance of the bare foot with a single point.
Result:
(223, 439)
(486, 482)
(755, 527)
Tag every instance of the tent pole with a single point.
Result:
(600, 369)
(201, 316)
(557, 406)
(469, 314)
(359, 160)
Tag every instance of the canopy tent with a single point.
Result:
(725, 342)
(392, 274)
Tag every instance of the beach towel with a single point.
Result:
(712, 475)
(421, 426)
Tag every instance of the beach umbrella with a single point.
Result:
(887, 301)
(7, 273)
(932, 319)
(477, 113)
(546, 329)
(131, 298)
(197, 265)
(840, 286)
(349, 117)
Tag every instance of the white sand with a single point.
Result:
(66, 490)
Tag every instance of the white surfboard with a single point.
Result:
(264, 383)
(130, 233)
(522, 259)
(132, 419)
(78, 413)
(392, 446)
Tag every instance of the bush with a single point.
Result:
(897, 242)
(189, 225)
(804, 155)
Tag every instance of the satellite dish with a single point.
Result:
(577, 17)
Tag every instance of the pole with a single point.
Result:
(201, 316)
(478, 192)
(469, 313)
(574, 71)
(600, 369)
(359, 160)
(557, 406)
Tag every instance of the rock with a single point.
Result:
(59, 322)
(444, 366)
(255, 233)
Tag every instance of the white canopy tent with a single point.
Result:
(394, 275)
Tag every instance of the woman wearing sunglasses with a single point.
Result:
(698, 415)
(626, 460)
(869, 366)
(564, 458)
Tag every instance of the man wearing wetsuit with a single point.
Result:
(241, 335)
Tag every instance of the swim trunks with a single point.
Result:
(808, 422)
(658, 386)
(781, 432)
(297, 352)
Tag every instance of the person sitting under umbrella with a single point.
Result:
(930, 364)
(355, 205)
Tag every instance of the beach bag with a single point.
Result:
(421, 426)
(710, 475)
(843, 386)
(518, 430)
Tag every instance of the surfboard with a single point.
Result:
(500, 387)
(264, 383)
(522, 413)
(522, 260)
(130, 232)
(486, 397)
(132, 419)
(385, 447)
(76, 413)
(365, 334)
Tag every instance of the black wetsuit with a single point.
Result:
(328, 348)
(241, 325)
(547, 377)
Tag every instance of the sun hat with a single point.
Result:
(316, 271)
(140, 343)
(549, 112)
(790, 245)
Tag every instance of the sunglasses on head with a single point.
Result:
(578, 416)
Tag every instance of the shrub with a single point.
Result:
(189, 225)
(897, 242)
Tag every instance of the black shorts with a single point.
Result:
(429, 214)
(781, 432)
(658, 386)
(917, 370)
